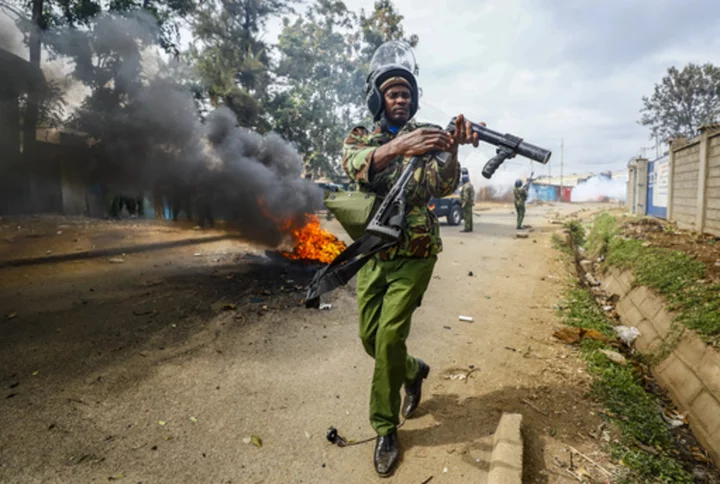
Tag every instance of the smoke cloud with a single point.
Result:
(149, 137)
(597, 188)
(11, 38)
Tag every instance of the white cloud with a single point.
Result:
(548, 70)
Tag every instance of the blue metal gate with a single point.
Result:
(657, 187)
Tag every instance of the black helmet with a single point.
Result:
(392, 59)
(518, 183)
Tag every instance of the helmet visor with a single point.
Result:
(393, 53)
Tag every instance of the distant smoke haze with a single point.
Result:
(597, 188)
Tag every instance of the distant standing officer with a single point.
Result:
(521, 195)
(467, 198)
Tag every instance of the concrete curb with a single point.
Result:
(506, 462)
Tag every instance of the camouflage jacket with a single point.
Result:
(421, 235)
(520, 196)
(467, 194)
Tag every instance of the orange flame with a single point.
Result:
(312, 242)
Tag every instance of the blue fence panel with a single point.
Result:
(657, 187)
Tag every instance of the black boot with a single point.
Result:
(387, 451)
(413, 391)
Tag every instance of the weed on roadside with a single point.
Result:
(577, 231)
(675, 275)
(646, 442)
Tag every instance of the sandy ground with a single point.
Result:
(139, 371)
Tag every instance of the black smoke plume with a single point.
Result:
(147, 135)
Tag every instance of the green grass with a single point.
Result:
(634, 412)
(603, 230)
(673, 274)
(577, 231)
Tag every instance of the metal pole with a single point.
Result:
(562, 162)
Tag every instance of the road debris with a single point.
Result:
(534, 407)
(325, 306)
(468, 319)
(575, 335)
(627, 334)
(615, 357)
(10, 316)
(116, 260)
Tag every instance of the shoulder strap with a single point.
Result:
(344, 267)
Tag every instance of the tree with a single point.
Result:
(315, 97)
(231, 60)
(683, 101)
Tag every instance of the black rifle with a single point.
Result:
(385, 227)
(383, 231)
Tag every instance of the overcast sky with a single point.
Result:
(548, 70)
(551, 69)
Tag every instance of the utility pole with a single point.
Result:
(562, 162)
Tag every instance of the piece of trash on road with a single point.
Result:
(197, 254)
(256, 441)
(627, 334)
(674, 419)
(574, 335)
(10, 316)
(193, 419)
(162, 423)
(229, 307)
(326, 306)
(468, 319)
(615, 357)
(607, 308)
(116, 260)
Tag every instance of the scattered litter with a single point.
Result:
(193, 419)
(607, 308)
(35, 373)
(247, 440)
(470, 274)
(229, 307)
(197, 254)
(521, 235)
(308, 435)
(615, 357)
(468, 319)
(427, 480)
(116, 477)
(326, 306)
(674, 419)
(256, 441)
(162, 423)
(59, 232)
(445, 469)
(10, 316)
(510, 348)
(627, 334)
(116, 260)
(447, 327)
(574, 335)
(532, 405)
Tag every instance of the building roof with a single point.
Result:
(19, 76)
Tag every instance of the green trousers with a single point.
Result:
(388, 294)
(468, 216)
(520, 209)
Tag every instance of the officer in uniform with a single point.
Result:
(467, 199)
(391, 285)
(521, 195)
